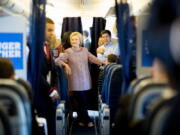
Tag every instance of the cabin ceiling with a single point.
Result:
(69, 8)
(79, 7)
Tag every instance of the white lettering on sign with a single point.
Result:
(10, 49)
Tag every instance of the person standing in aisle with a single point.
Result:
(47, 90)
(79, 80)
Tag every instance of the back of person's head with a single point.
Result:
(6, 69)
(85, 33)
(66, 40)
(112, 58)
(105, 32)
(48, 20)
(162, 14)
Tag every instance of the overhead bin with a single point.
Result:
(15, 7)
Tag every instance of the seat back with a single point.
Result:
(15, 102)
(157, 119)
(4, 123)
(62, 85)
(145, 94)
(107, 76)
(62, 109)
(114, 90)
(135, 82)
(27, 86)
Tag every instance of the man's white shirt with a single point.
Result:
(109, 49)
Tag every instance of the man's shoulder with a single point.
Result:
(102, 46)
(112, 44)
(87, 41)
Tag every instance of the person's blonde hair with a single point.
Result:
(100, 41)
(55, 44)
(79, 35)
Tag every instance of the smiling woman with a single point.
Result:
(74, 68)
(79, 79)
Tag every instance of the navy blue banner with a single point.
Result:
(146, 57)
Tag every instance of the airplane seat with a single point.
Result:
(27, 87)
(38, 123)
(104, 111)
(104, 92)
(104, 119)
(5, 125)
(15, 102)
(63, 85)
(156, 120)
(110, 72)
(114, 92)
(146, 94)
(61, 119)
(112, 81)
(107, 72)
(135, 82)
(101, 78)
(62, 109)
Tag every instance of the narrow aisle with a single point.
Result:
(76, 130)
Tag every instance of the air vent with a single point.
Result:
(83, 4)
(11, 6)
(50, 4)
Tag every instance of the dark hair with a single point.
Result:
(66, 39)
(162, 14)
(105, 32)
(112, 58)
(86, 33)
(6, 68)
(48, 20)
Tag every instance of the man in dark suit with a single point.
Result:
(47, 89)
(86, 41)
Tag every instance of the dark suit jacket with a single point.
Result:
(45, 87)
(87, 44)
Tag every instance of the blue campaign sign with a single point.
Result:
(11, 47)
(146, 57)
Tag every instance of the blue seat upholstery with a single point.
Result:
(111, 90)
(135, 82)
(157, 119)
(15, 101)
(62, 109)
(143, 97)
(114, 90)
(107, 72)
(62, 84)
